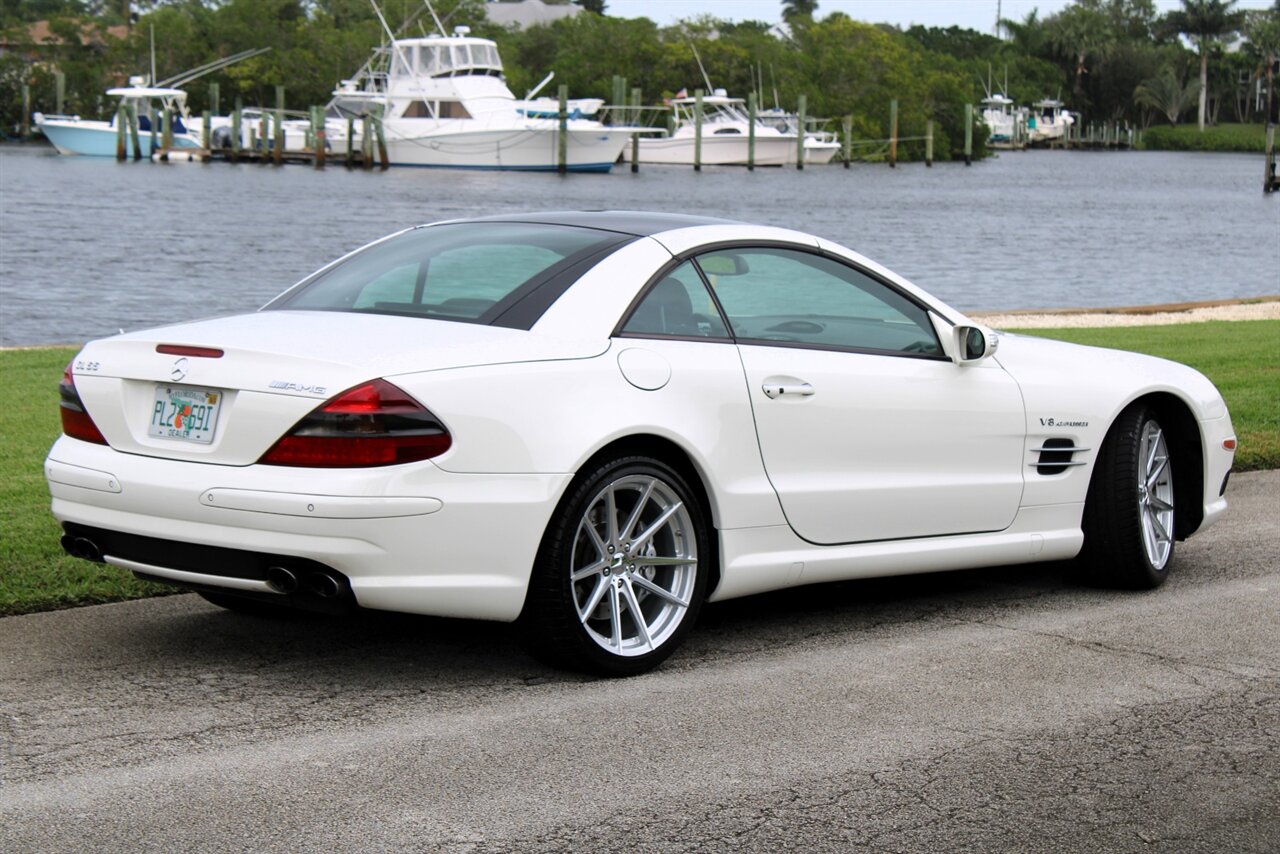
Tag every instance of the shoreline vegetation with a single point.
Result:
(1239, 355)
(1251, 138)
(1110, 61)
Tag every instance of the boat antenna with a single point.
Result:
(705, 78)
(774, 83)
(153, 54)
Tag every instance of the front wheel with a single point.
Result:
(622, 570)
(1129, 513)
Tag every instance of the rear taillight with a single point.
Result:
(375, 424)
(76, 422)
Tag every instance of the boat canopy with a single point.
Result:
(445, 57)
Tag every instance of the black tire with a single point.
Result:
(1128, 515)
(615, 583)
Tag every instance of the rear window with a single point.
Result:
(470, 272)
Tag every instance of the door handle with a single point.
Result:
(775, 390)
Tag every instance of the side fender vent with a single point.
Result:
(1056, 456)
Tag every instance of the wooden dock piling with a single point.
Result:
(893, 133)
(135, 131)
(384, 160)
(121, 133)
(968, 134)
(236, 123)
(562, 137)
(166, 134)
(847, 127)
(1270, 183)
(928, 143)
(60, 91)
(366, 142)
(800, 110)
(634, 119)
(279, 135)
(752, 110)
(697, 130)
(26, 110)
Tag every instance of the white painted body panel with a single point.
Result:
(885, 447)
(457, 535)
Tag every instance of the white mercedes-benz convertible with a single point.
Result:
(591, 423)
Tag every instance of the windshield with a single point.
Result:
(471, 272)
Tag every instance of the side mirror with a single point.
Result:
(972, 344)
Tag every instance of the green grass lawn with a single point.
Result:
(35, 575)
(1242, 358)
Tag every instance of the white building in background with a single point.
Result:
(523, 14)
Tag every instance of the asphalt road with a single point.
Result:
(1002, 709)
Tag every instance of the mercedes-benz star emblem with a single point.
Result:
(179, 372)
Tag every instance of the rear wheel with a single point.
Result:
(1129, 513)
(622, 570)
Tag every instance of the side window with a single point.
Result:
(678, 305)
(791, 296)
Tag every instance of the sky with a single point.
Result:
(972, 14)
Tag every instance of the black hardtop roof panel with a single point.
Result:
(638, 223)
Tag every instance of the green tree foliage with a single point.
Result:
(795, 10)
(1168, 94)
(1206, 23)
(1095, 53)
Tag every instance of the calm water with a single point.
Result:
(89, 246)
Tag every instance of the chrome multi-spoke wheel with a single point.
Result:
(634, 565)
(1129, 525)
(621, 575)
(1155, 494)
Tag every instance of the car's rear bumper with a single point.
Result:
(407, 538)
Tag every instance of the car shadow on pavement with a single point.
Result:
(394, 651)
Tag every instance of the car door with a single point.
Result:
(868, 431)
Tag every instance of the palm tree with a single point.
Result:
(1262, 28)
(798, 9)
(1028, 35)
(1079, 32)
(1166, 93)
(1204, 22)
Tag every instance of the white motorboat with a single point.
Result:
(444, 102)
(1003, 121)
(98, 138)
(726, 132)
(820, 146)
(1049, 121)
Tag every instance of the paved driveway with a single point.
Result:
(992, 709)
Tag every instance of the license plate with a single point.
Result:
(185, 413)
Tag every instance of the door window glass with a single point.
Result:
(796, 297)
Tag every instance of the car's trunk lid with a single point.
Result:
(235, 385)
